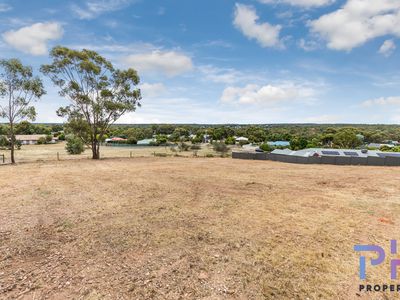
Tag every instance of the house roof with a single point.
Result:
(334, 152)
(29, 137)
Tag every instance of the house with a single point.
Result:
(321, 152)
(32, 139)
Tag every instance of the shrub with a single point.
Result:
(61, 137)
(4, 143)
(49, 138)
(183, 146)
(209, 155)
(221, 148)
(230, 140)
(131, 141)
(267, 148)
(74, 146)
(41, 141)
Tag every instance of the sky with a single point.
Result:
(223, 61)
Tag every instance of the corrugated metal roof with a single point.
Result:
(333, 152)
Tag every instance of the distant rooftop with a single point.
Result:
(334, 152)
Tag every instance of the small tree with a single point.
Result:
(74, 145)
(18, 88)
(99, 94)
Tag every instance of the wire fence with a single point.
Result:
(57, 152)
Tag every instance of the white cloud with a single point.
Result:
(219, 75)
(246, 21)
(387, 48)
(33, 39)
(94, 8)
(303, 3)
(170, 63)
(308, 45)
(269, 95)
(152, 90)
(5, 7)
(357, 22)
(383, 101)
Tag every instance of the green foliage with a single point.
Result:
(4, 143)
(346, 138)
(230, 140)
(298, 143)
(18, 89)
(42, 141)
(183, 146)
(267, 148)
(61, 137)
(220, 148)
(161, 140)
(74, 145)
(385, 148)
(99, 93)
(131, 141)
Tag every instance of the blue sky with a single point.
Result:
(222, 61)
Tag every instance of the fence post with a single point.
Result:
(58, 156)
(130, 154)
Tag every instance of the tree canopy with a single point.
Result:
(99, 94)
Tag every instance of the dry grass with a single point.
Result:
(186, 228)
(34, 153)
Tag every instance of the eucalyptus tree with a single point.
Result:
(98, 93)
(19, 88)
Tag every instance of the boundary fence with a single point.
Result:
(328, 160)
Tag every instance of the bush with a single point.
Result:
(74, 146)
(209, 155)
(49, 138)
(221, 148)
(41, 141)
(183, 146)
(131, 141)
(267, 148)
(4, 143)
(230, 140)
(61, 137)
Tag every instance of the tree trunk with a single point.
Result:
(12, 143)
(95, 150)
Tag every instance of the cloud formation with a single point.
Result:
(33, 39)
(246, 20)
(267, 95)
(357, 22)
(382, 101)
(95, 8)
(302, 3)
(170, 63)
(5, 7)
(152, 90)
(387, 48)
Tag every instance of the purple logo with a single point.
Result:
(379, 259)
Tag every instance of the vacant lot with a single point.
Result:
(51, 152)
(190, 228)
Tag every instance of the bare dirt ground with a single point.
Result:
(192, 228)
